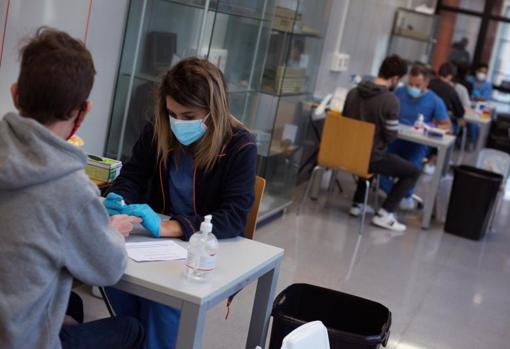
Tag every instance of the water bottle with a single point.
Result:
(419, 124)
(202, 250)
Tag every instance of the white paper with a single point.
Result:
(155, 251)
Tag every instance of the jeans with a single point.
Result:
(413, 153)
(161, 322)
(110, 333)
(396, 167)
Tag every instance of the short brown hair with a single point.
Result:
(56, 76)
(419, 69)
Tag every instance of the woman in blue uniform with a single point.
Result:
(194, 159)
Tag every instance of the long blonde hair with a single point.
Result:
(195, 82)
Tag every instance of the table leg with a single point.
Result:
(462, 146)
(482, 137)
(264, 296)
(442, 158)
(191, 326)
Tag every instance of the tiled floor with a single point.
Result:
(444, 291)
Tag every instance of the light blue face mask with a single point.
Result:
(414, 92)
(188, 131)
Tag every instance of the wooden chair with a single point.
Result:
(251, 220)
(346, 145)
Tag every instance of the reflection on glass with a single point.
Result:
(288, 83)
(456, 38)
(413, 35)
(233, 34)
(472, 5)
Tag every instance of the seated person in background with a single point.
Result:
(482, 89)
(443, 87)
(195, 159)
(461, 89)
(54, 226)
(416, 99)
(375, 103)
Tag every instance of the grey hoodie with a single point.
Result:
(53, 227)
(378, 105)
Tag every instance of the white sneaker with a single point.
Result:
(388, 221)
(357, 209)
(429, 169)
(407, 204)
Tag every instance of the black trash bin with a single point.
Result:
(352, 322)
(472, 200)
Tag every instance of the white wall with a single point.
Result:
(365, 39)
(105, 34)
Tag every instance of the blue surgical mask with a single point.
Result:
(414, 92)
(188, 131)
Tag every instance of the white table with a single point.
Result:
(444, 148)
(474, 118)
(240, 262)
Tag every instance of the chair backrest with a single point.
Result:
(310, 335)
(495, 161)
(346, 144)
(251, 220)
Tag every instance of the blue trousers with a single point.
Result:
(161, 322)
(474, 132)
(412, 152)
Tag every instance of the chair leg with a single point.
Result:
(375, 189)
(332, 181)
(308, 187)
(106, 301)
(364, 211)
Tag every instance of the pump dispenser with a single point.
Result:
(202, 250)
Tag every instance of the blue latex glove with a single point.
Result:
(115, 204)
(151, 220)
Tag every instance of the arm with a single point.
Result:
(93, 250)
(486, 91)
(390, 120)
(237, 197)
(133, 181)
(441, 118)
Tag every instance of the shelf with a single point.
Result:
(310, 35)
(267, 92)
(416, 38)
(218, 8)
(272, 205)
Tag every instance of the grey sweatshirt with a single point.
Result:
(53, 227)
(378, 105)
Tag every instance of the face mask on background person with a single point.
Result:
(481, 76)
(414, 92)
(188, 131)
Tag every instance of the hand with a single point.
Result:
(114, 204)
(171, 229)
(151, 220)
(124, 223)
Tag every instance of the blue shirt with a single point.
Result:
(180, 184)
(428, 104)
(481, 89)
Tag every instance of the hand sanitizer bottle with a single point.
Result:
(419, 125)
(202, 250)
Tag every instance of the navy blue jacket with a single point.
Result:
(227, 191)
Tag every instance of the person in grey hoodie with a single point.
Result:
(374, 102)
(53, 225)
